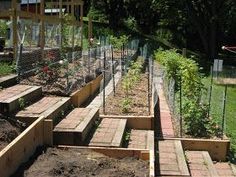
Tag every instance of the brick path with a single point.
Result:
(109, 133)
(165, 126)
(171, 159)
(49, 107)
(200, 164)
(141, 139)
(7, 94)
(75, 127)
(225, 169)
(9, 97)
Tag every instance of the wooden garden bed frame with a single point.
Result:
(39, 16)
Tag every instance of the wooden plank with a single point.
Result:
(117, 140)
(48, 132)
(87, 123)
(96, 84)
(21, 148)
(5, 13)
(115, 152)
(32, 112)
(150, 140)
(8, 80)
(28, 94)
(81, 96)
(218, 149)
(135, 122)
(209, 164)
(181, 158)
(152, 163)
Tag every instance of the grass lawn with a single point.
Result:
(217, 108)
(5, 69)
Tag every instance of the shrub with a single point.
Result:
(186, 72)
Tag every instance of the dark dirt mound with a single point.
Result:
(85, 163)
(7, 133)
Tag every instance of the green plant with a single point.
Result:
(127, 135)
(5, 69)
(21, 102)
(118, 42)
(186, 72)
(3, 28)
(126, 104)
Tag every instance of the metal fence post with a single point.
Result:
(224, 108)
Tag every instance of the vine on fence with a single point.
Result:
(185, 71)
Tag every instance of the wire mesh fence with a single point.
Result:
(219, 97)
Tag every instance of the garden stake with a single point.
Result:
(224, 106)
(104, 80)
(148, 71)
(180, 106)
(113, 72)
(89, 55)
(210, 92)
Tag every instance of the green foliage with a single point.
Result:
(3, 28)
(196, 120)
(186, 72)
(128, 82)
(21, 102)
(184, 69)
(117, 42)
(6, 69)
(126, 104)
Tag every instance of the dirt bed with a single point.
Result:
(139, 97)
(84, 163)
(61, 81)
(8, 132)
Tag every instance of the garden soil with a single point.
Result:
(138, 95)
(83, 163)
(8, 132)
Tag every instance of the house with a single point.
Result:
(32, 5)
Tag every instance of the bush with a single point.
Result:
(186, 72)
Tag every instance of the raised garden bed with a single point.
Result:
(8, 132)
(83, 162)
(139, 97)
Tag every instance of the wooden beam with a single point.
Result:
(5, 13)
(42, 26)
(69, 3)
(81, 24)
(14, 27)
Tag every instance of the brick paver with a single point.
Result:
(166, 128)
(49, 107)
(8, 93)
(74, 128)
(109, 133)
(140, 139)
(200, 164)
(9, 97)
(171, 159)
(72, 120)
(225, 169)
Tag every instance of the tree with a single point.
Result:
(209, 19)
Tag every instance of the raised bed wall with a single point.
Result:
(19, 150)
(80, 96)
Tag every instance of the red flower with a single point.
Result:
(45, 69)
